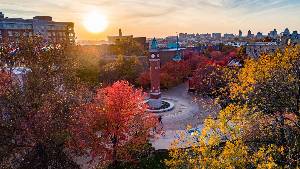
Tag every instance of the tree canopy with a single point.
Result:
(259, 127)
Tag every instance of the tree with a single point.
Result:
(220, 144)
(115, 126)
(127, 47)
(208, 79)
(5, 84)
(121, 69)
(260, 128)
(144, 80)
(271, 85)
(89, 63)
(172, 74)
(178, 70)
(37, 106)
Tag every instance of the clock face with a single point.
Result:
(152, 56)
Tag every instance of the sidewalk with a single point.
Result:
(188, 110)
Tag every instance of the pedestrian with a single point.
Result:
(160, 119)
(154, 129)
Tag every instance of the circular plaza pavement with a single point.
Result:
(188, 110)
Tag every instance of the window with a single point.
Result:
(10, 33)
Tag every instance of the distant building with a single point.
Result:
(172, 39)
(205, 36)
(11, 29)
(259, 35)
(216, 35)
(295, 37)
(240, 34)
(182, 35)
(228, 36)
(120, 37)
(139, 40)
(250, 35)
(273, 34)
(255, 49)
(286, 32)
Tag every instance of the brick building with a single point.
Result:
(11, 29)
(129, 38)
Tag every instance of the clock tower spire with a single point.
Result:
(154, 61)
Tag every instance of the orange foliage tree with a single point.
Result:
(115, 126)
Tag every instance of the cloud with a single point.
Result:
(161, 16)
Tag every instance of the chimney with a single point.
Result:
(120, 32)
(1, 15)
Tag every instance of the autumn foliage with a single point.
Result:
(114, 126)
(120, 69)
(258, 128)
(35, 110)
(5, 82)
(201, 68)
(172, 74)
(208, 79)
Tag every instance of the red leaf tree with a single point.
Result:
(4, 82)
(208, 79)
(115, 126)
(144, 80)
(172, 74)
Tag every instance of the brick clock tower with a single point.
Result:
(155, 100)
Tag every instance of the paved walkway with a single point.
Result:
(188, 110)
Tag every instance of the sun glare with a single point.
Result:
(95, 22)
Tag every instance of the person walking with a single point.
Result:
(160, 119)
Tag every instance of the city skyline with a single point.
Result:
(160, 19)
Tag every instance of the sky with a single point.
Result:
(160, 18)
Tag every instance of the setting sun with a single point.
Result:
(95, 22)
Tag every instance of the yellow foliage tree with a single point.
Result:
(260, 126)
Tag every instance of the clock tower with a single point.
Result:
(154, 61)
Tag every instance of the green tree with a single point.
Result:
(89, 64)
(121, 69)
(127, 47)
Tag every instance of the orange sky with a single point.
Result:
(165, 17)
